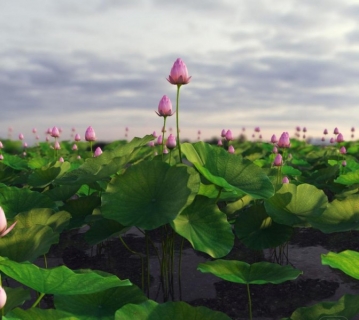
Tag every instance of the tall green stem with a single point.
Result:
(38, 300)
(177, 122)
(163, 134)
(249, 302)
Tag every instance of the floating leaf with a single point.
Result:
(46, 175)
(205, 227)
(256, 273)
(150, 194)
(347, 261)
(348, 178)
(62, 193)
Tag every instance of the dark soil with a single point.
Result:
(269, 301)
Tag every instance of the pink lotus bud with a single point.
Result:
(21, 136)
(284, 141)
(77, 137)
(25, 145)
(179, 73)
(61, 159)
(336, 131)
(74, 147)
(325, 131)
(171, 141)
(278, 160)
(340, 138)
(151, 144)
(90, 134)
(34, 130)
(323, 139)
(229, 136)
(332, 140)
(47, 139)
(304, 129)
(1, 157)
(257, 129)
(344, 163)
(165, 107)
(297, 128)
(48, 131)
(78, 157)
(1, 145)
(260, 136)
(165, 151)
(57, 145)
(126, 129)
(73, 129)
(60, 130)
(342, 150)
(231, 149)
(285, 180)
(55, 132)
(3, 297)
(154, 134)
(97, 152)
(223, 133)
(274, 139)
(4, 230)
(159, 140)
(220, 143)
(37, 137)
(352, 129)
(275, 150)
(199, 132)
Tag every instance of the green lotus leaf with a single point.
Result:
(258, 231)
(290, 171)
(205, 227)
(150, 310)
(15, 200)
(339, 216)
(294, 205)
(39, 314)
(347, 307)
(46, 175)
(348, 178)
(15, 297)
(347, 261)
(228, 170)
(29, 243)
(150, 194)
(99, 305)
(15, 162)
(62, 193)
(60, 280)
(256, 273)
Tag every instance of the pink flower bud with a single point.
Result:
(257, 129)
(284, 141)
(3, 297)
(1, 157)
(231, 149)
(342, 150)
(336, 131)
(223, 133)
(48, 131)
(151, 144)
(1, 145)
(297, 128)
(323, 139)
(171, 141)
(220, 143)
(77, 137)
(61, 159)
(352, 129)
(179, 73)
(34, 130)
(340, 138)
(57, 145)
(55, 132)
(21, 136)
(275, 150)
(285, 180)
(4, 230)
(154, 134)
(332, 140)
(164, 107)
(344, 163)
(278, 161)
(325, 131)
(229, 136)
(165, 150)
(90, 134)
(159, 140)
(78, 157)
(25, 145)
(97, 152)
(304, 129)
(274, 139)
(74, 147)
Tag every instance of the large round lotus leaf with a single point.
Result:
(62, 193)
(150, 194)
(258, 231)
(256, 273)
(15, 200)
(99, 305)
(150, 310)
(294, 205)
(45, 217)
(347, 261)
(340, 215)
(27, 244)
(15, 162)
(348, 178)
(46, 175)
(60, 280)
(205, 227)
(228, 170)
(39, 314)
(15, 297)
(347, 307)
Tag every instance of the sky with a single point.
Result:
(104, 63)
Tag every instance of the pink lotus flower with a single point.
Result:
(285, 180)
(77, 137)
(171, 141)
(325, 131)
(332, 140)
(1, 157)
(55, 132)
(34, 130)
(323, 139)
(220, 143)
(257, 129)
(57, 145)
(48, 131)
(284, 141)
(229, 136)
(336, 131)
(231, 149)
(78, 157)
(340, 138)
(97, 152)
(165, 150)
(4, 230)
(3, 297)
(151, 144)
(165, 107)
(159, 140)
(275, 150)
(61, 159)
(1, 145)
(342, 150)
(154, 134)
(274, 139)
(278, 160)
(344, 163)
(25, 145)
(223, 133)
(179, 73)
(90, 134)
(352, 129)
(297, 128)
(21, 136)
(74, 147)
(304, 129)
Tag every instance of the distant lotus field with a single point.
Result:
(209, 195)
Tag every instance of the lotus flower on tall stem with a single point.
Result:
(178, 76)
(164, 110)
(90, 136)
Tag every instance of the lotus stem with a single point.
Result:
(38, 300)
(177, 122)
(249, 302)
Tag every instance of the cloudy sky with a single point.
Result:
(104, 63)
